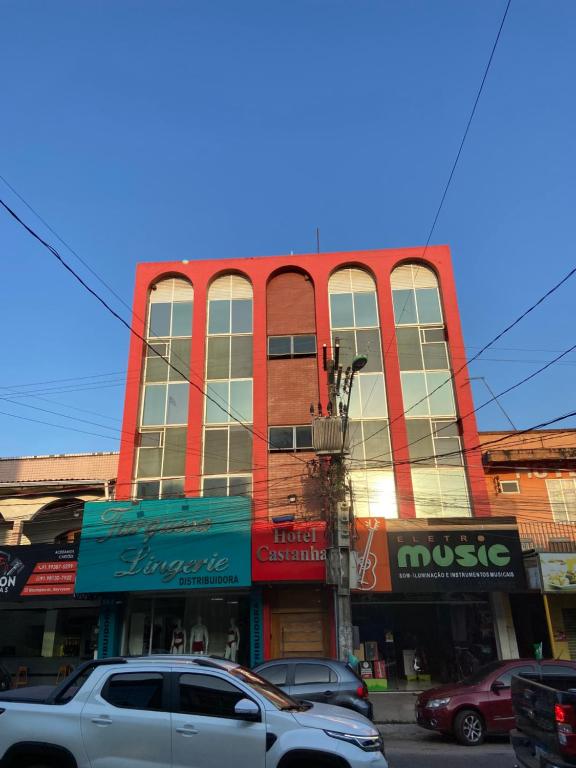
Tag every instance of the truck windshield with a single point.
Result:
(274, 695)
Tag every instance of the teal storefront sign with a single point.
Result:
(201, 543)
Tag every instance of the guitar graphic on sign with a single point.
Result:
(368, 561)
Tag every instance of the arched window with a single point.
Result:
(438, 477)
(54, 521)
(164, 409)
(355, 327)
(227, 451)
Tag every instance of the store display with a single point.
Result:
(380, 669)
(366, 669)
(233, 641)
(178, 644)
(199, 637)
(371, 650)
(359, 652)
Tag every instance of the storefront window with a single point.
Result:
(421, 641)
(208, 624)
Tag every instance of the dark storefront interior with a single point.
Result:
(425, 639)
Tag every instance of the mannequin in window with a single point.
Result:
(232, 641)
(178, 644)
(199, 637)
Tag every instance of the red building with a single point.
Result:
(248, 334)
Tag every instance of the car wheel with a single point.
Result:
(469, 728)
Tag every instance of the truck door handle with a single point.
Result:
(103, 720)
(187, 730)
(328, 693)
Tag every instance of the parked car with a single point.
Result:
(481, 703)
(545, 712)
(177, 712)
(5, 679)
(316, 679)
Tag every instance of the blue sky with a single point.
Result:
(147, 131)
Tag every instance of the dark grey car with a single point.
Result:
(313, 679)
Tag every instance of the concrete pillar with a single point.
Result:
(15, 535)
(504, 631)
(49, 639)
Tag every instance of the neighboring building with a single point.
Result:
(250, 333)
(44, 629)
(532, 476)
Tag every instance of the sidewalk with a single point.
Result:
(396, 707)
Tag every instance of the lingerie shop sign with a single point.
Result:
(201, 543)
(289, 552)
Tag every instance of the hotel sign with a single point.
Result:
(165, 544)
(290, 552)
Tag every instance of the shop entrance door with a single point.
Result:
(300, 624)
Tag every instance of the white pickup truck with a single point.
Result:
(185, 712)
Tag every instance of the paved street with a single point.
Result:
(410, 747)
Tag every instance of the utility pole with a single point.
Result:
(330, 439)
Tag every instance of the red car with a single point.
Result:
(481, 704)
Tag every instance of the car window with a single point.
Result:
(276, 674)
(134, 690)
(506, 678)
(313, 673)
(557, 669)
(207, 695)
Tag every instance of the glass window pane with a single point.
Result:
(156, 369)
(173, 488)
(241, 399)
(434, 334)
(215, 486)
(442, 401)
(303, 437)
(240, 486)
(180, 359)
(365, 314)
(157, 348)
(372, 394)
(377, 441)
(174, 452)
(304, 345)
(454, 491)
(354, 406)
(404, 307)
(311, 673)
(219, 312)
(149, 462)
(218, 390)
(240, 450)
(148, 490)
(241, 358)
(355, 440)
(177, 404)
(347, 347)
(444, 446)
(218, 365)
(135, 691)
(368, 343)
(446, 428)
(426, 487)
(242, 316)
(275, 674)
(182, 318)
(342, 315)
(279, 346)
(154, 404)
(420, 440)
(208, 696)
(414, 390)
(435, 357)
(215, 451)
(409, 352)
(150, 439)
(159, 320)
(428, 305)
(281, 438)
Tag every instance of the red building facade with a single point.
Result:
(250, 333)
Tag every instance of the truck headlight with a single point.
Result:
(437, 703)
(371, 743)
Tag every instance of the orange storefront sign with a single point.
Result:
(372, 555)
